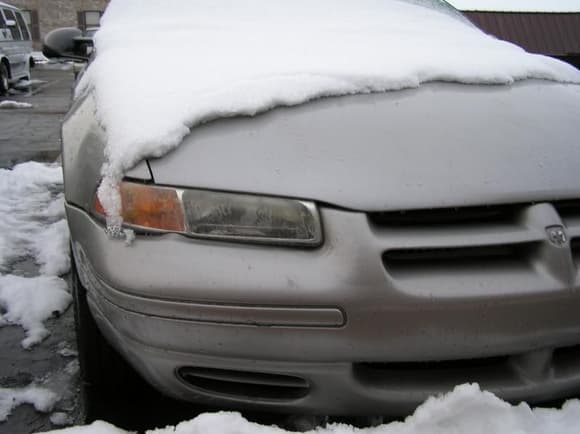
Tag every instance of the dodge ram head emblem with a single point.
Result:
(557, 236)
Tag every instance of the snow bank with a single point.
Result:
(42, 399)
(51, 248)
(32, 225)
(243, 57)
(9, 105)
(28, 301)
(32, 217)
(466, 410)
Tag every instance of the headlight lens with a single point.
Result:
(217, 215)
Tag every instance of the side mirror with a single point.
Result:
(10, 23)
(63, 43)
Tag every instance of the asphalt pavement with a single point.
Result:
(34, 133)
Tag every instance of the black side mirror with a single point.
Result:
(68, 43)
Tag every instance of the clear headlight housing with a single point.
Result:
(218, 215)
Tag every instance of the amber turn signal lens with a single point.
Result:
(149, 207)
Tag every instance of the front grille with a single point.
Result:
(477, 247)
(244, 384)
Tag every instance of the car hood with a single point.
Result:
(439, 145)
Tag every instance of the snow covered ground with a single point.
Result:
(465, 410)
(11, 105)
(33, 229)
(32, 210)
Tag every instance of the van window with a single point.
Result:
(23, 28)
(4, 34)
(14, 30)
(31, 20)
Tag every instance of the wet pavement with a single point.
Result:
(34, 133)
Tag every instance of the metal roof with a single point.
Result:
(554, 34)
(6, 5)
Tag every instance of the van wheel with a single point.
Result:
(102, 370)
(3, 80)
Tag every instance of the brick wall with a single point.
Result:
(58, 13)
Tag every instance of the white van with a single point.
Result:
(15, 47)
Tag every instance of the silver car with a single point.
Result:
(334, 263)
(15, 47)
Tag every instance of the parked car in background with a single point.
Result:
(15, 47)
(349, 255)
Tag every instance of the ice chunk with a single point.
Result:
(60, 419)
(42, 399)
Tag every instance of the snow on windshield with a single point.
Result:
(163, 67)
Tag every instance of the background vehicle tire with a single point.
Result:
(3, 80)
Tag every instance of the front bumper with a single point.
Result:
(343, 334)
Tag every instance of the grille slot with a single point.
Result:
(500, 214)
(459, 258)
(568, 208)
(452, 372)
(244, 384)
(575, 246)
(565, 354)
(436, 366)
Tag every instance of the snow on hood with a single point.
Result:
(163, 67)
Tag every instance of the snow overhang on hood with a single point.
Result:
(163, 67)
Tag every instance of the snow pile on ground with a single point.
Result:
(31, 217)
(466, 410)
(42, 399)
(32, 225)
(30, 301)
(25, 84)
(10, 105)
(245, 57)
(51, 247)
(39, 57)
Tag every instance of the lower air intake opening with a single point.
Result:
(244, 384)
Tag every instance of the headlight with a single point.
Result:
(217, 215)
